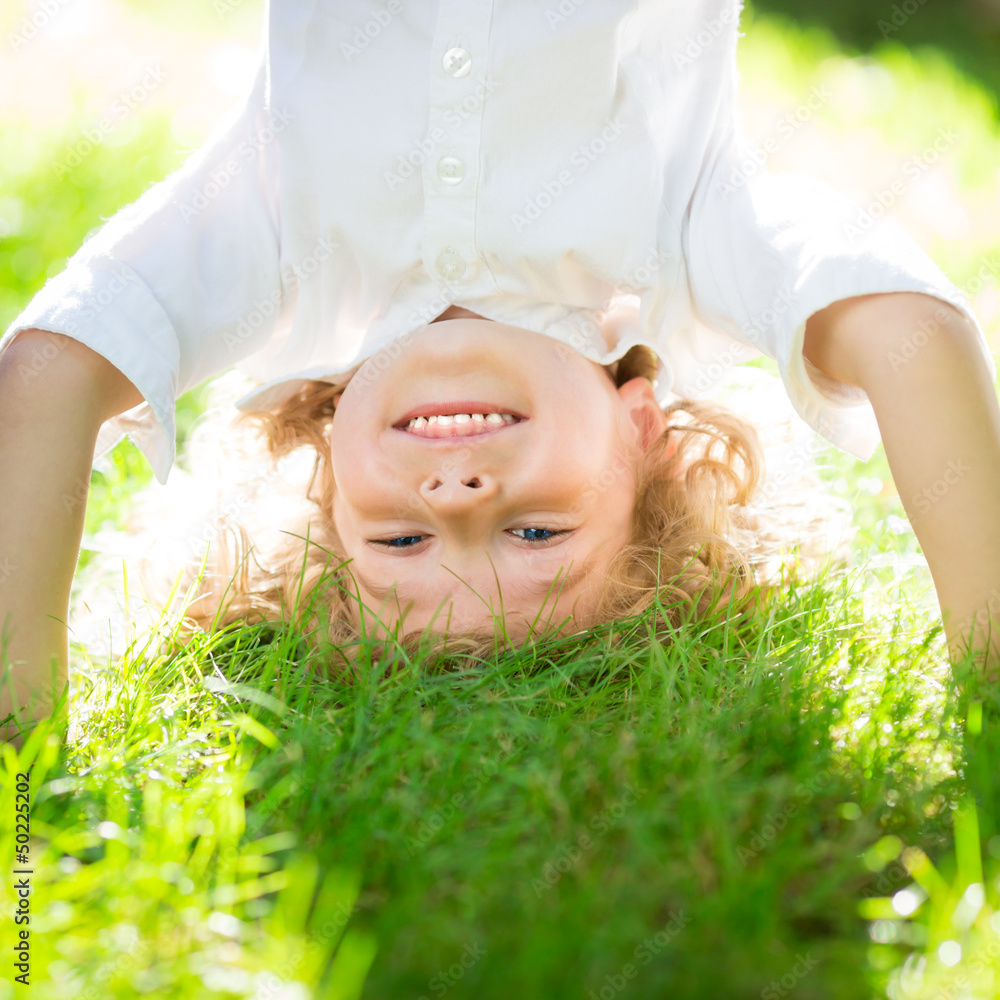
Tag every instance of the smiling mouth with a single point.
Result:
(447, 422)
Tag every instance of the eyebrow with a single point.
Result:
(542, 587)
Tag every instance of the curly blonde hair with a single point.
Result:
(695, 543)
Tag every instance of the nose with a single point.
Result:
(453, 492)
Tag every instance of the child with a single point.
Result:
(564, 175)
(546, 493)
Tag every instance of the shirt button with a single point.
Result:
(450, 264)
(451, 169)
(457, 62)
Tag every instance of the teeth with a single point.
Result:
(479, 420)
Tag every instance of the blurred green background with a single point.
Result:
(966, 31)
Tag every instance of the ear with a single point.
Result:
(640, 404)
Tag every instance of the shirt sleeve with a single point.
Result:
(765, 252)
(184, 282)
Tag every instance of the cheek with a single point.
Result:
(353, 481)
(344, 462)
(352, 448)
(606, 489)
(368, 486)
(343, 523)
(589, 457)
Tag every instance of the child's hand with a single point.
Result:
(49, 418)
(921, 363)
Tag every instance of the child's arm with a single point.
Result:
(940, 423)
(48, 429)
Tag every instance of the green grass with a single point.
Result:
(797, 804)
(743, 789)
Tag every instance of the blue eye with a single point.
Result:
(536, 534)
(403, 542)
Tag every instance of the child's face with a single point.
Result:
(443, 522)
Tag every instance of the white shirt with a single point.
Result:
(571, 167)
